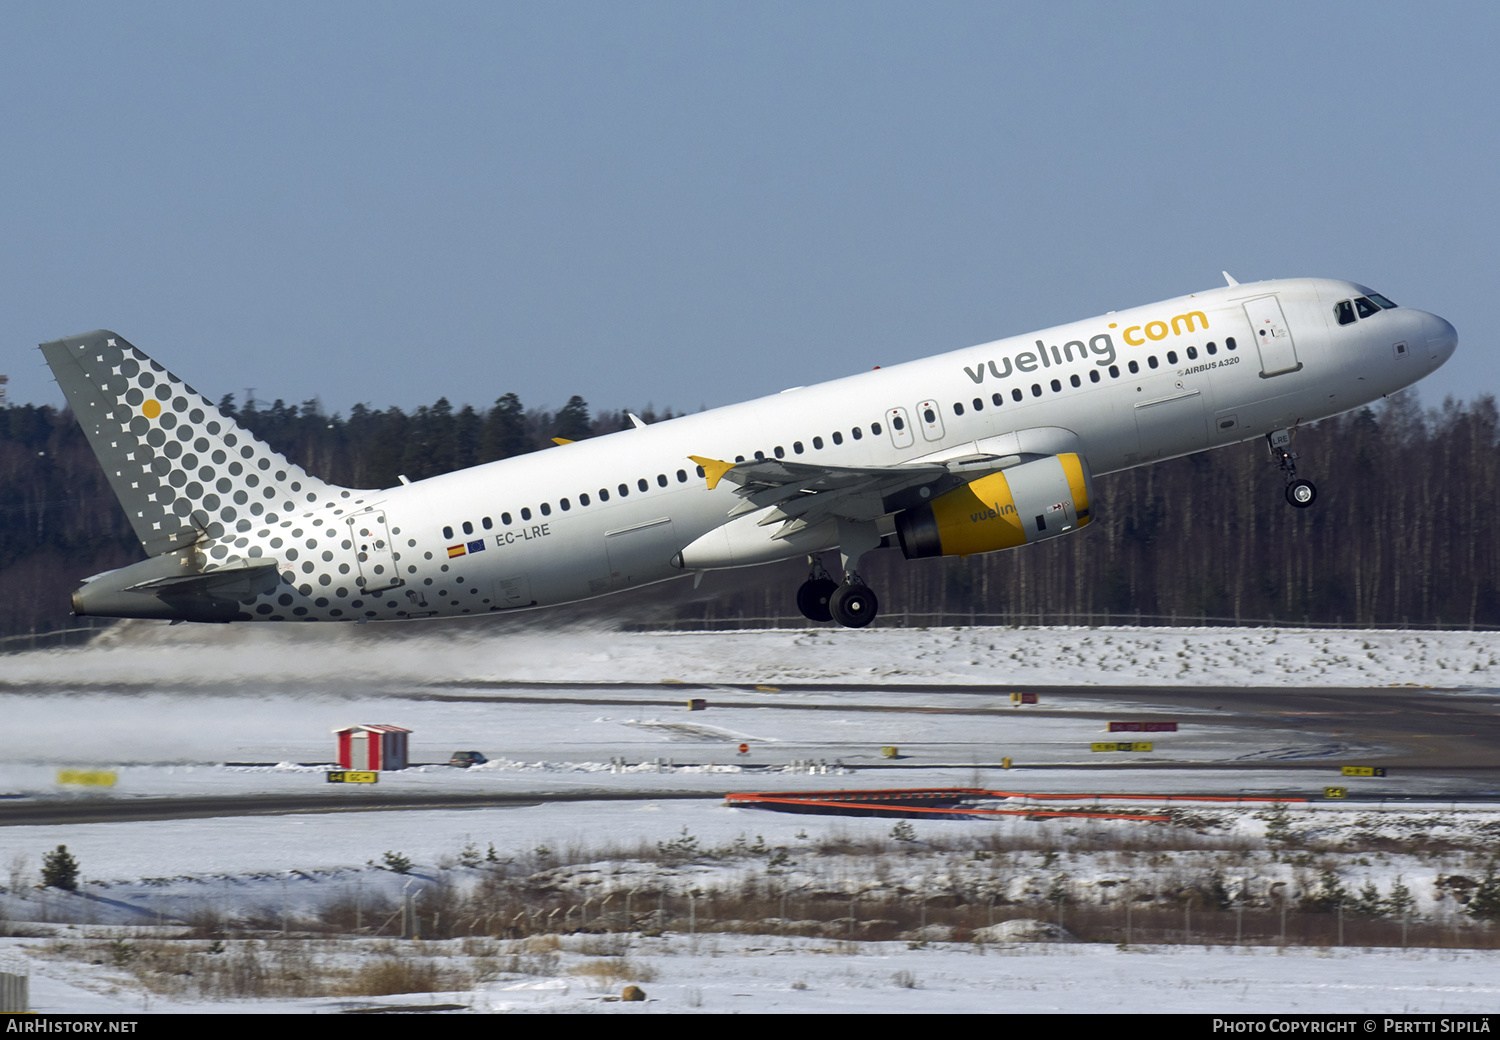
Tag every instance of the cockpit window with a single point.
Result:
(1365, 307)
(1344, 311)
(1382, 302)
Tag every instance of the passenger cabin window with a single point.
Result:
(817, 445)
(623, 489)
(525, 512)
(1209, 346)
(448, 533)
(1228, 342)
(1036, 389)
(1015, 395)
(661, 480)
(1192, 352)
(978, 404)
(583, 499)
(1056, 386)
(958, 408)
(546, 509)
(997, 400)
(857, 433)
(488, 523)
(564, 504)
(1075, 380)
(604, 494)
(875, 428)
(505, 519)
(1344, 311)
(1134, 368)
(838, 438)
(780, 452)
(641, 484)
(1151, 361)
(468, 527)
(682, 476)
(1093, 375)
(1171, 357)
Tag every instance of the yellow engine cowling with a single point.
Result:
(1023, 504)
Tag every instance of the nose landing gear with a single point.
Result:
(1299, 492)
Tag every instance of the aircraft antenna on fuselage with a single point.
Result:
(1229, 278)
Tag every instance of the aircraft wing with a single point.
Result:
(801, 494)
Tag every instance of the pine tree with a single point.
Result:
(1278, 825)
(1330, 895)
(505, 432)
(60, 870)
(1369, 903)
(572, 421)
(1485, 902)
(1400, 901)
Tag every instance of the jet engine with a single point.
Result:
(1027, 503)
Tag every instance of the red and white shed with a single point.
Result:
(372, 747)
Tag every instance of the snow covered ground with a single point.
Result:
(733, 974)
(167, 708)
(162, 655)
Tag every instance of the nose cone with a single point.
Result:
(1442, 339)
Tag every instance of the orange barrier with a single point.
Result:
(893, 807)
(914, 795)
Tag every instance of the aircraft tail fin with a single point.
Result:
(184, 471)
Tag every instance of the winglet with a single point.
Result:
(560, 441)
(713, 469)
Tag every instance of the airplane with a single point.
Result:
(987, 448)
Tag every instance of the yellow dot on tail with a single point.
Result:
(151, 409)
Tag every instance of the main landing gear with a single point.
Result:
(820, 598)
(815, 596)
(851, 603)
(1300, 493)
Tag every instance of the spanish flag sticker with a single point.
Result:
(455, 550)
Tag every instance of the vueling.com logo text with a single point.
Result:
(1101, 346)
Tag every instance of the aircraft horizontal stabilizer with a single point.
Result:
(175, 586)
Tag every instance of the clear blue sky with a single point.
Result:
(696, 203)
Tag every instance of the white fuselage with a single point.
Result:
(1133, 387)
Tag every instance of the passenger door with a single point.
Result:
(372, 550)
(1273, 337)
(899, 424)
(931, 417)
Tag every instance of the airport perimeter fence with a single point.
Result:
(77, 635)
(1016, 619)
(88, 628)
(887, 916)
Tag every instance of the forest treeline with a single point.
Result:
(1406, 529)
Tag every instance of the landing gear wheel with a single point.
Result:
(854, 606)
(813, 598)
(1301, 493)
